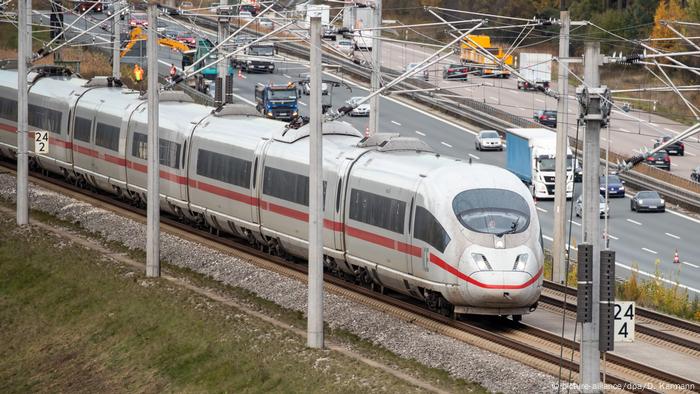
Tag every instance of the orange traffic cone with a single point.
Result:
(676, 259)
(240, 74)
(367, 132)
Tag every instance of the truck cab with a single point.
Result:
(277, 101)
(258, 58)
(203, 47)
(531, 155)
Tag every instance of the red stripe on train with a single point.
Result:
(454, 271)
(370, 237)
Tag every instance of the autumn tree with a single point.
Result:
(669, 10)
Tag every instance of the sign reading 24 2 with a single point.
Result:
(41, 141)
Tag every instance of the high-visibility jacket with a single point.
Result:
(138, 73)
(173, 71)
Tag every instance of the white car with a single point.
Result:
(306, 87)
(360, 110)
(488, 139)
(603, 207)
(245, 15)
(346, 47)
(265, 23)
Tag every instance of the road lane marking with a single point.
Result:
(690, 153)
(576, 223)
(420, 133)
(634, 221)
(446, 144)
(475, 157)
(673, 236)
(650, 251)
(396, 123)
(613, 237)
(494, 98)
(674, 164)
(690, 264)
(670, 282)
(541, 209)
(303, 103)
(539, 100)
(287, 76)
(550, 239)
(669, 130)
(625, 130)
(653, 124)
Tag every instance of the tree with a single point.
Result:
(669, 10)
(694, 10)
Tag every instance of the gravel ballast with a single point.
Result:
(461, 360)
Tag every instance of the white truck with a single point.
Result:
(531, 155)
(536, 68)
(361, 18)
(322, 10)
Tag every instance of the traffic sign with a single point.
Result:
(41, 141)
(624, 315)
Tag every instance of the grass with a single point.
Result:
(73, 321)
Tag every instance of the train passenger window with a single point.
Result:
(337, 194)
(377, 210)
(107, 136)
(45, 118)
(428, 229)
(82, 129)
(8, 109)
(169, 153)
(289, 186)
(139, 146)
(223, 168)
(492, 211)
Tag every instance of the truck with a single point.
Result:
(197, 56)
(536, 68)
(277, 101)
(471, 56)
(322, 10)
(256, 57)
(361, 18)
(531, 154)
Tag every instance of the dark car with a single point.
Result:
(616, 186)
(676, 148)
(546, 117)
(329, 32)
(578, 171)
(648, 201)
(660, 159)
(455, 71)
(695, 175)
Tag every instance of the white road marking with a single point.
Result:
(396, 123)
(475, 157)
(524, 109)
(634, 221)
(303, 103)
(673, 236)
(653, 124)
(576, 223)
(287, 76)
(613, 237)
(669, 130)
(539, 100)
(690, 153)
(245, 100)
(674, 164)
(625, 130)
(541, 209)
(550, 239)
(420, 133)
(690, 264)
(446, 144)
(650, 251)
(670, 282)
(493, 98)
(652, 139)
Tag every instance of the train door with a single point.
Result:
(418, 265)
(339, 204)
(256, 183)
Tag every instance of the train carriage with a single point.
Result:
(8, 113)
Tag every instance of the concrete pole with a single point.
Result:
(376, 64)
(116, 39)
(315, 303)
(560, 180)
(24, 49)
(590, 355)
(153, 198)
(222, 66)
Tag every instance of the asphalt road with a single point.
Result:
(642, 241)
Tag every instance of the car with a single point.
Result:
(676, 148)
(329, 32)
(360, 110)
(411, 66)
(659, 159)
(171, 34)
(578, 171)
(249, 8)
(305, 87)
(186, 5)
(455, 71)
(488, 140)
(187, 38)
(695, 175)
(649, 201)
(138, 20)
(344, 46)
(616, 186)
(161, 26)
(245, 15)
(603, 207)
(265, 23)
(546, 117)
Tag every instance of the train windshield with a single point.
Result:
(492, 211)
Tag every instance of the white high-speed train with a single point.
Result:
(463, 237)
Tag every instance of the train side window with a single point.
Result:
(255, 171)
(224, 168)
(429, 230)
(184, 150)
(376, 210)
(45, 118)
(139, 146)
(410, 217)
(169, 153)
(286, 185)
(337, 194)
(107, 136)
(82, 129)
(8, 109)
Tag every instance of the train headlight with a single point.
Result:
(481, 262)
(520, 262)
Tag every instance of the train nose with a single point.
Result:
(502, 278)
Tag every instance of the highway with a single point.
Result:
(640, 240)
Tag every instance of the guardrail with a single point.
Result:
(484, 115)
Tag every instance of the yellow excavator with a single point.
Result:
(137, 35)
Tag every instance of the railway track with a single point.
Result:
(527, 344)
